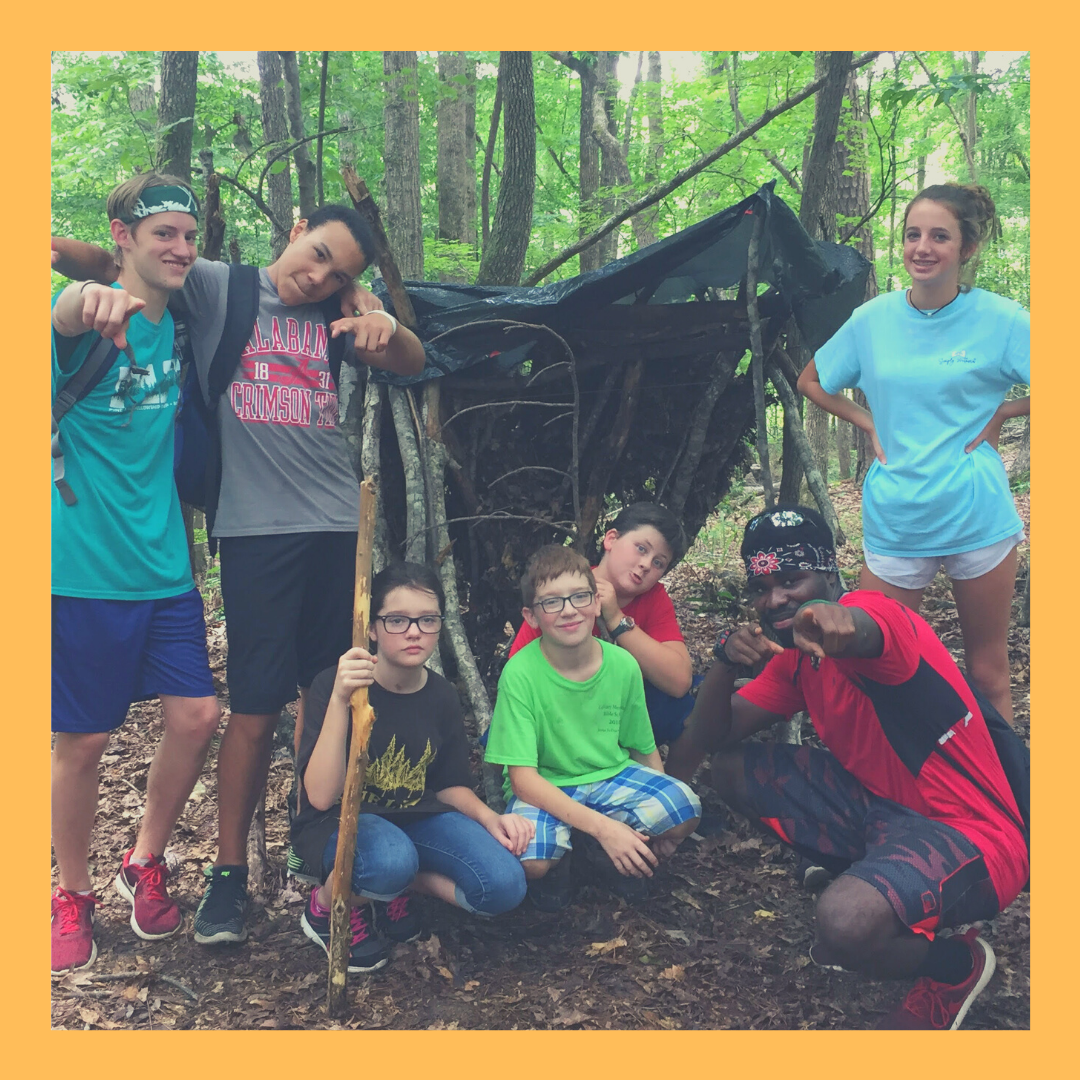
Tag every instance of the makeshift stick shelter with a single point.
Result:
(544, 404)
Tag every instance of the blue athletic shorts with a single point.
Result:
(651, 802)
(668, 714)
(108, 653)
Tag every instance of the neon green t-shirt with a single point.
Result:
(570, 732)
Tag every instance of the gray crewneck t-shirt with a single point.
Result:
(285, 466)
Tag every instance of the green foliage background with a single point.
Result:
(98, 139)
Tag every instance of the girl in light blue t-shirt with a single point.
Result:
(935, 363)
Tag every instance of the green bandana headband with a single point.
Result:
(161, 199)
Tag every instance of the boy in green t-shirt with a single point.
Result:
(572, 728)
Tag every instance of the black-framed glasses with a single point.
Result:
(399, 624)
(552, 605)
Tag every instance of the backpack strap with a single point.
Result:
(241, 311)
(92, 370)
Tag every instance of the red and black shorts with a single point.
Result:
(932, 875)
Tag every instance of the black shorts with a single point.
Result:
(931, 874)
(288, 612)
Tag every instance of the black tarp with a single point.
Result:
(821, 283)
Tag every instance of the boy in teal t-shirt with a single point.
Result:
(571, 727)
(127, 620)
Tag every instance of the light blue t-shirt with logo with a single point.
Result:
(932, 384)
(124, 537)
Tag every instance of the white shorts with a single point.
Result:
(917, 573)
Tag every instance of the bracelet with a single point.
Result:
(720, 651)
(809, 602)
(393, 321)
(84, 284)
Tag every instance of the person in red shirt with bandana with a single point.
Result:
(908, 803)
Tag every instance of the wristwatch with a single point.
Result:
(625, 623)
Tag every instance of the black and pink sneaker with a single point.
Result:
(368, 951)
(397, 919)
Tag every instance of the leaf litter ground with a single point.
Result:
(721, 942)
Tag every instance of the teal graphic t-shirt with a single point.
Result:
(932, 384)
(124, 538)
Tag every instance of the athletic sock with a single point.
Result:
(316, 907)
(143, 860)
(948, 960)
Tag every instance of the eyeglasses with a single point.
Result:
(399, 624)
(552, 605)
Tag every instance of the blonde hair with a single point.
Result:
(123, 198)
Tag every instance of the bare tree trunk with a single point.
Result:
(401, 116)
(817, 213)
(276, 130)
(489, 161)
(588, 156)
(142, 99)
(453, 177)
(649, 220)
(470, 155)
(416, 545)
(504, 253)
(323, 70)
(619, 171)
(853, 201)
(176, 113)
(843, 448)
(604, 99)
(305, 167)
(971, 120)
(213, 236)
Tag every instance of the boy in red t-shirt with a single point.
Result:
(909, 803)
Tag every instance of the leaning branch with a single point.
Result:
(662, 190)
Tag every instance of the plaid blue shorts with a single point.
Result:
(644, 799)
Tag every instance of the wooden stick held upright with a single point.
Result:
(363, 717)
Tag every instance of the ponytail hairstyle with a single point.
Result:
(974, 209)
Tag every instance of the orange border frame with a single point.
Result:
(31, 1045)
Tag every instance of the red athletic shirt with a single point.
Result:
(653, 611)
(907, 726)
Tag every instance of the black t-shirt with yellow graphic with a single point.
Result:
(418, 747)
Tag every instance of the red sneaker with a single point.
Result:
(935, 1006)
(73, 945)
(153, 913)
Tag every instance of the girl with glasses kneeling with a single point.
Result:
(422, 829)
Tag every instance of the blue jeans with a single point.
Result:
(487, 879)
